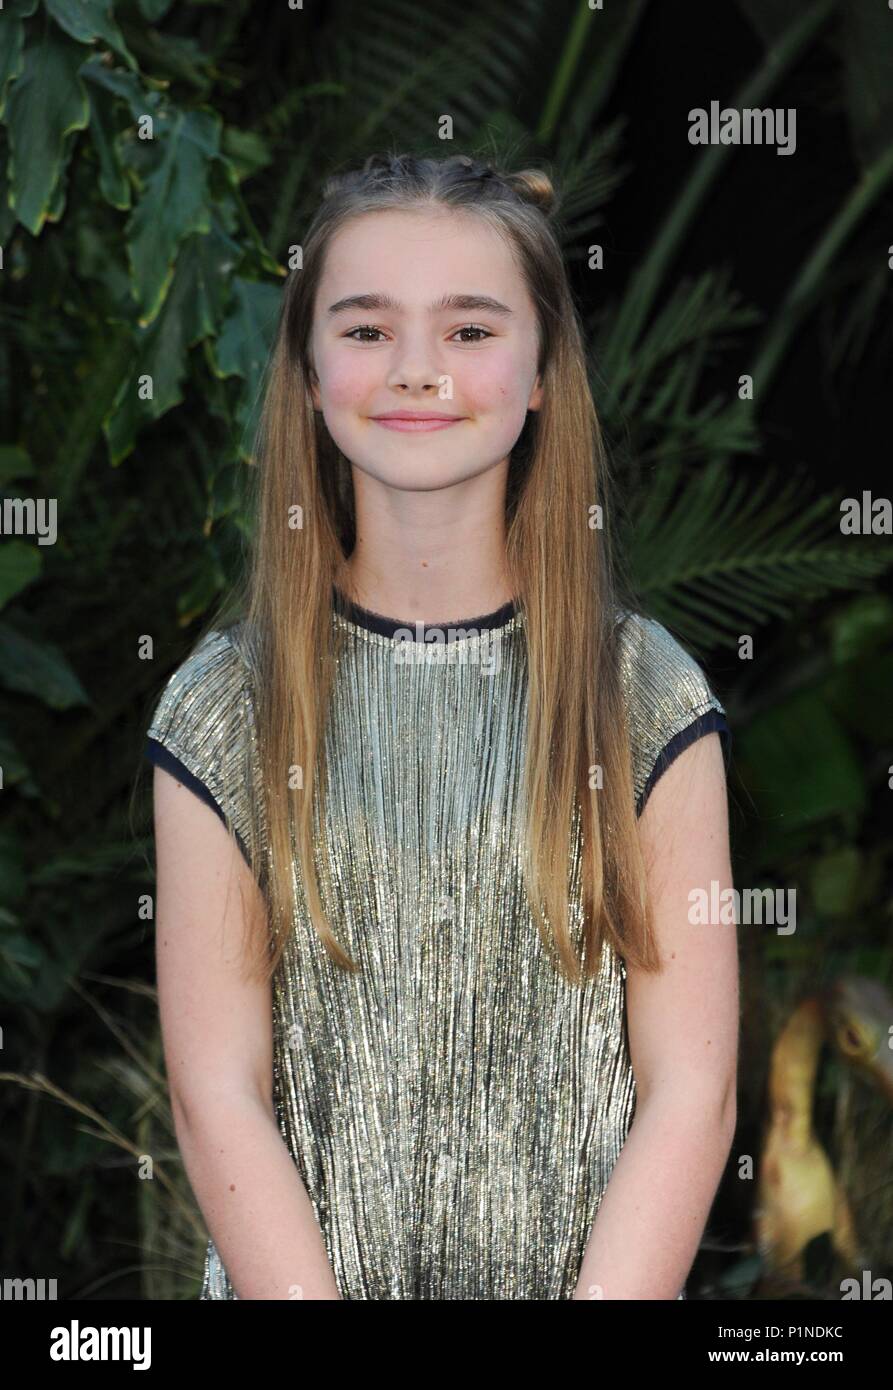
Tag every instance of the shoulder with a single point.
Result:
(669, 699)
(203, 728)
(210, 682)
(654, 662)
(205, 717)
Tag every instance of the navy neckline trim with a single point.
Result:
(389, 627)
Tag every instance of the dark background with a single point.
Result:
(152, 517)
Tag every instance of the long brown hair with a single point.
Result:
(559, 565)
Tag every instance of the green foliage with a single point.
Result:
(153, 177)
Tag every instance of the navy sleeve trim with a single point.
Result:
(162, 757)
(710, 723)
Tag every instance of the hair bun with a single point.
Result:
(534, 186)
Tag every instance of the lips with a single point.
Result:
(414, 415)
(412, 422)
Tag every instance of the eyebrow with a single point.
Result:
(483, 303)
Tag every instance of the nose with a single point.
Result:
(414, 365)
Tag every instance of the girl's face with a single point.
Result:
(444, 326)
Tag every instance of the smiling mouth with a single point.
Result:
(418, 424)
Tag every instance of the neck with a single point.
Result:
(429, 556)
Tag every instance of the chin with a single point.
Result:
(418, 478)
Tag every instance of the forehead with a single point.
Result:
(392, 251)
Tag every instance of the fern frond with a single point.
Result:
(699, 311)
(462, 61)
(726, 552)
(587, 183)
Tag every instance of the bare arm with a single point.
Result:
(217, 1033)
(683, 1033)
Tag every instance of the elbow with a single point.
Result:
(728, 1111)
(182, 1111)
(731, 1124)
(718, 1101)
(729, 1102)
(218, 1109)
(710, 1108)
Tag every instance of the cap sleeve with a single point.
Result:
(669, 701)
(203, 731)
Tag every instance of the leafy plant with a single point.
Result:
(157, 163)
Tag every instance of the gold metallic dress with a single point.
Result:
(456, 1108)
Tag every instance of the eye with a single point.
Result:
(371, 328)
(473, 328)
(363, 328)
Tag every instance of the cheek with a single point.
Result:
(346, 377)
(495, 387)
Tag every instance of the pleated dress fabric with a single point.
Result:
(456, 1108)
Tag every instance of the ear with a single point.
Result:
(536, 395)
(314, 389)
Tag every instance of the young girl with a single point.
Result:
(436, 1022)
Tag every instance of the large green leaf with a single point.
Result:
(155, 9)
(859, 693)
(38, 668)
(14, 463)
(141, 94)
(20, 565)
(243, 346)
(12, 49)
(46, 102)
(247, 152)
(89, 20)
(800, 766)
(74, 415)
(113, 181)
(191, 311)
(174, 202)
(16, 10)
(864, 626)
